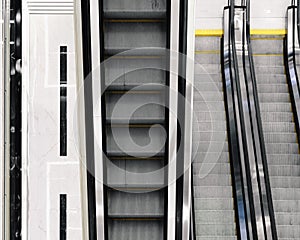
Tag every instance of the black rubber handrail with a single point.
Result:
(232, 122)
(246, 135)
(268, 210)
(290, 64)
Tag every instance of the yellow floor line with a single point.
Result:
(208, 52)
(219, 32)
(268, 31)
(209, 32)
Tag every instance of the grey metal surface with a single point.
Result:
(280, 136)
(121, 35)
(135, 119)
(134, 8)
(213, 193)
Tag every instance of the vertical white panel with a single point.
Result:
(48, 174)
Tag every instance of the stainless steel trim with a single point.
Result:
(80, 117)
(173, 107)
(187, 183)
(6, 33)
(96, 85)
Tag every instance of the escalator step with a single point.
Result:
(283, 137)
(279, 107)
(135, 230)
(215, 217)
(137, 205)
(220, 157)
(122, 36)
(270, 88)
(278, 127)
(134, 8)
(283, 170)
(213, 179)
(220, 169)
(221, 204)
(216, 230)
(275, 98)
(268, 59)
(277, 117)
(271, 79)
(281, 148)
(286, 193)
(212, 192)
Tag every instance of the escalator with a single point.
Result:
(279, 133)
(250, 174)
(278, 87)
(135, 207)
(133, 182)
(213, 191)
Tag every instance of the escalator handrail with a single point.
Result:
(266, 204)
(236, 166)
(193, 221)
(260, 128)
(291, 70)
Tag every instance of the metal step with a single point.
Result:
(138, 106)
(282, 148)
(219, 169)
(267, 45)
(136, 173)
(135, 205)
(268, 59)
(135, 229)
(221, 204)
(122, 35)
(269, 69)
(271, 78)
(279, 107)
(275, 98)
(136, 140)
(135, 117)
(133, 70)
(283, 137)
(209, 68)
(134, 9)
(216, 230)
(280, 138)
(217, 177)
(272, 88)
(277, 117)
(207, 57)
(279, 127)
(207, 44)
(212, 181)
(214, 217)
(285, 181)
(220, 157)
(286, 159)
